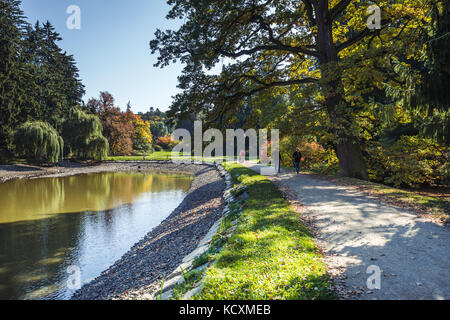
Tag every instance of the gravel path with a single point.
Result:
(357, 231)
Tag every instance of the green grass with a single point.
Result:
(157, 155)
(164, 155)
(271, 254)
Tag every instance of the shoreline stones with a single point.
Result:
(140, 271)
(177, 276)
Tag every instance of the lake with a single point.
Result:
(52, 229)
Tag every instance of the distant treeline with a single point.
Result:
(43, 116)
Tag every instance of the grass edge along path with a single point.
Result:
(269, 255)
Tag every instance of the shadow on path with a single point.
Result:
(357, 231)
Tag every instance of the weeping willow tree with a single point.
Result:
(83, 135)
(39, 141)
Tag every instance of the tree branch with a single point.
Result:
(338, 9)
(268, 85)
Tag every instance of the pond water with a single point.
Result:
(51, 228)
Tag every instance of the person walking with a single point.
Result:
(297, 157)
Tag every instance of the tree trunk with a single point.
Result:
(351, 161)
(348, 150)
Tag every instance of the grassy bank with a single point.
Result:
(270, 255)
(157, 155)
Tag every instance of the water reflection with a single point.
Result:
(90, 221)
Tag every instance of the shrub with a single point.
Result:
(166, 143)
(410, 161)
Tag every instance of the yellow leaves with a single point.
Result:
(142, 130)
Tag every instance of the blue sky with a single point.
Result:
(112, 47)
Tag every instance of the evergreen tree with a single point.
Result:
(11, 70)
(54, 73)
(434, 90)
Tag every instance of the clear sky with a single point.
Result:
(112, 47)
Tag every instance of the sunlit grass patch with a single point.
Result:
(271, 254)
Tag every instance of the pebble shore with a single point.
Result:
(138, 274)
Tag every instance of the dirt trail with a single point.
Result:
(357, 231)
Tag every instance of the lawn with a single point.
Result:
(270, 255)
(157, 155)
(166, 155)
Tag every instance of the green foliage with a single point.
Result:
(83, 135)
(11, 70)
(38, 80)
(314, 156)
(434, 89)
(158, 129)
(38, 141)
(159, 124)
(410, 161)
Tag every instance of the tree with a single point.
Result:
(11, 70)
(39, 141)
(55, 86)
(158, 121)
(142, 139)
(434, 89)
(158, 129)
(82, 133)
(275, 46)
(117, 126)
(38, 81)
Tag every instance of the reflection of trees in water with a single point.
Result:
(34, 255)
(93, 192)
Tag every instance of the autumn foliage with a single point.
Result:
(125, 131)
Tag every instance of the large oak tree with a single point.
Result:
(275, 44)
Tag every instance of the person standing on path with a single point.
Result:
(297, 156)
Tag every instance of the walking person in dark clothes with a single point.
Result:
(297, 156)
